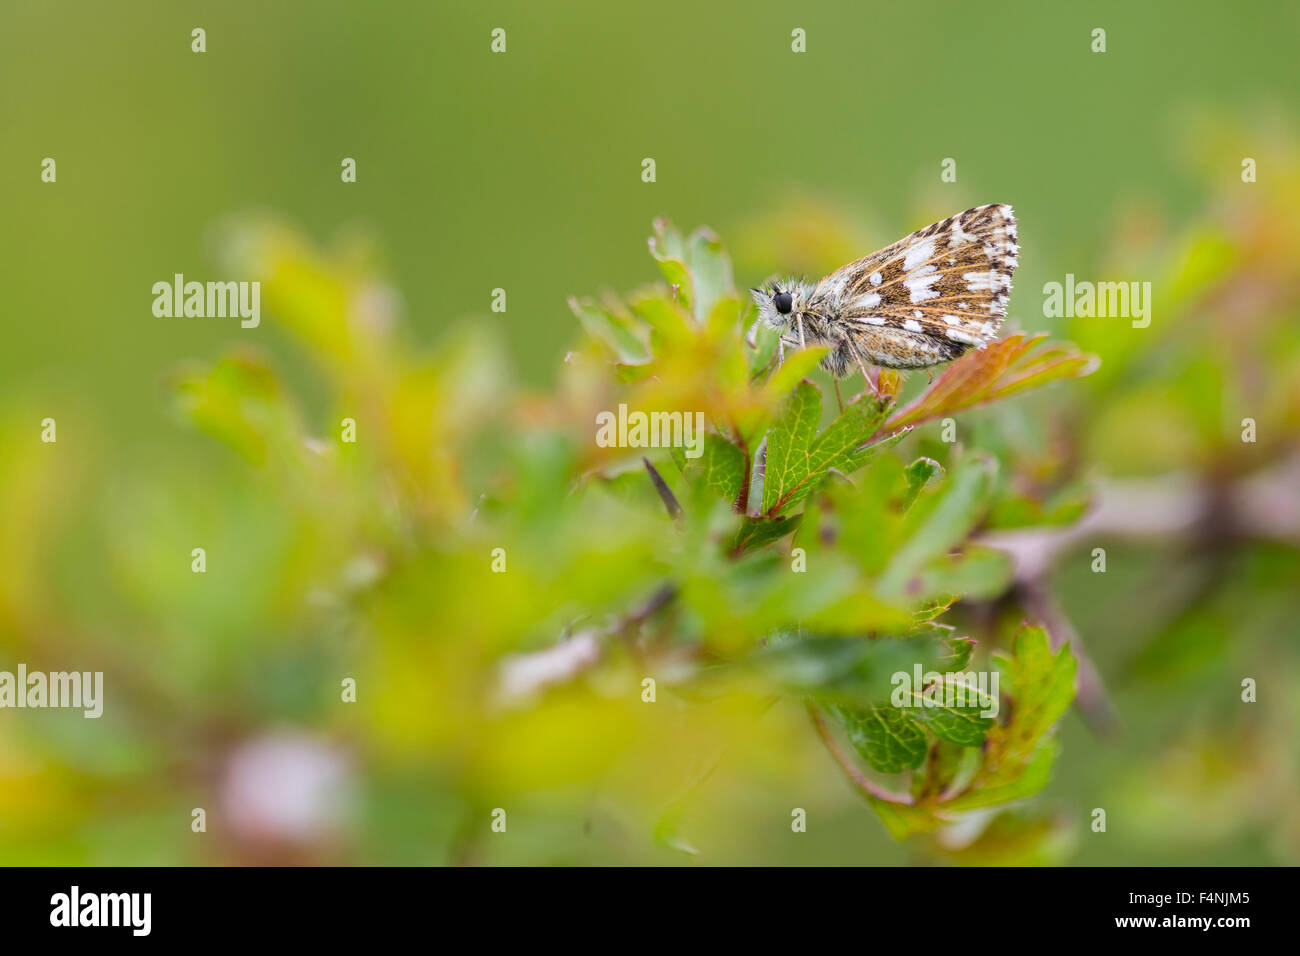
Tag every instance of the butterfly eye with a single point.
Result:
(783, 301)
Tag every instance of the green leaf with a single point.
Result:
(756, 532)
(668, 250)
(710, 270)
(765, 342)
(795, 368)
(943, 763)
(978, 573)
(721, 466)
(885, 737)
(943, 526)
(1042, 686)
(240, 401)
(666, 318)
(1019, 756)
(934, 607)
(788, 443)
(840, 447)
(850, 670)
(903, 821)
(919, 474)
(611, 330)
(959, 651)
(1065, 506)
(874, 446)
(1029, 778)
(952, 711)
(698, 267)
(841, 442)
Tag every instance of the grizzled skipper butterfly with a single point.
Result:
(924, 300)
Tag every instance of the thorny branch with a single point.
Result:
(1262, 506)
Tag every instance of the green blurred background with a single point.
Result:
(522, 171)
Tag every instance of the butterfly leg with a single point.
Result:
(838, 399)
(857, 357)
(799, 320)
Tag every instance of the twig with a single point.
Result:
(523, 676)
(1262, 505)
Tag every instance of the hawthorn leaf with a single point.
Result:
(669, 252)
(942, 526)
(757, 532)
(952, 711)
(958, 654)
(1019, 756)
(795, 368)
(665, 317)
(765, 343)
(919, 474)
(850, 670)
(710, 271)
(840, 447)
(887, 738)
(977, 573)
(698, 267)
(720, 467)
(1000, 369)
(611, 330)
(788, 442)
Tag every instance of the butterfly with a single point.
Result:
(923, 300)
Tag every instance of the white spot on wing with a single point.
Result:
(959, 235)
(985, 281)
(919, 285)
(960, 335)
(920, 253)
(836, 288)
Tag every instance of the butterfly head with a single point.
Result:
(778, 301)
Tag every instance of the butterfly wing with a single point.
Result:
(931, 296)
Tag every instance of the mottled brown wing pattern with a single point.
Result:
(928, 297)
